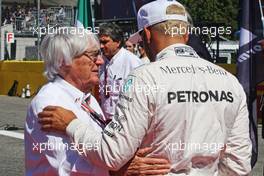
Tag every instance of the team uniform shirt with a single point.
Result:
(190, 111)
(112, 75)
(48, 153)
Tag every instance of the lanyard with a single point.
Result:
(106, 90)
(96, 116)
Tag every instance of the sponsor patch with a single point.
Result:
(185, 52)
(200, 97)
(128, 85)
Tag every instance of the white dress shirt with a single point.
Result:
(112, 75)
(48, 153)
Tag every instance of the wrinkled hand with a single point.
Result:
(141, 165)
(55, 118)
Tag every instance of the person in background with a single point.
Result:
(143, 55)
(130, 46)
(119, 62)
(262, 44)
(262, 104)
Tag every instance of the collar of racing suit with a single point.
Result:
(177, 49)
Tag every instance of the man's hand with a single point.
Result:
(55, 118)
(141, 165)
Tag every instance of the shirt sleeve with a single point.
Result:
(237, 155)
(47, 147)
(123, 135)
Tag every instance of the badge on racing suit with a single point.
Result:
(185, 52)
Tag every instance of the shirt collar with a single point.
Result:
(75, 93)
(117, 55)
(170, 51)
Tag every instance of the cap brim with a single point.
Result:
(135, 38)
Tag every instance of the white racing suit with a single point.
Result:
(189, 110)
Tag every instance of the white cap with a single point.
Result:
(153, 13)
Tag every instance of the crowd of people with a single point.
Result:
(147, 120)
(15, 11)
(21, 16)
(24, 16)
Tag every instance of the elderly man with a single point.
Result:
(119, 62)
(71, 65)
(191, 111)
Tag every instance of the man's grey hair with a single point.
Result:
(63, 47)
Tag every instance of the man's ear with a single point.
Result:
(119, 44)
(64, 68)
(147, 34)
(186, 37)
(63, 64)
